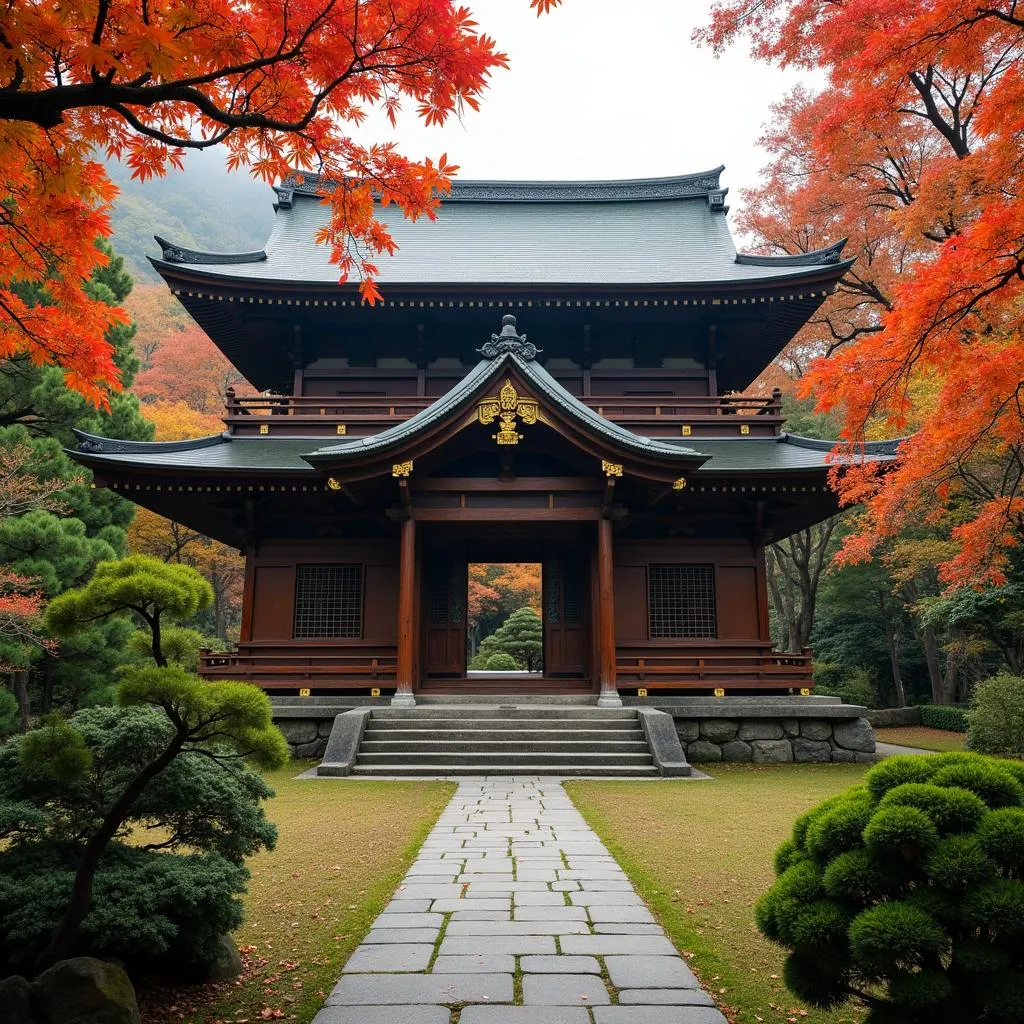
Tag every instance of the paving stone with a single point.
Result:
(383, 1015)
(559, 965)
(413, 921)
(608, 945)
(381, 989)
(407, 907)
(516, 944)
(540, 899)
(550, 914)
(618, 928)
(436, 891)
(479, 963)
(492, 903)
(523, 1015)
(564, 990)
(588, 897)
(650, 972)
(408, 956)
(621, 915)
(388, 935)
(666, 996)
(482, 915)
(657, 1015)
(517, 928)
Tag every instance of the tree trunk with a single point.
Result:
(954, 661)
(931, 657)
(19, 684)
(897, 677)
(65, 936)
(47, 703)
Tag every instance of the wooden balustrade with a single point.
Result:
(753, 666)
(300, 666)
(359, 415)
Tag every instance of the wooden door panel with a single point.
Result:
(444, 612)
(566, 582)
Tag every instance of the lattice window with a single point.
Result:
(681, 601)
(329, 601)
(572, 601)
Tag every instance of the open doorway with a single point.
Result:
(504, 624)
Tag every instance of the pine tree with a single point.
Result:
(521, 635)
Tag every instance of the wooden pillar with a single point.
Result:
(609, 697)
(406, 616)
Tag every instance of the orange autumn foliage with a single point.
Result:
(915, 150)
(274, 84)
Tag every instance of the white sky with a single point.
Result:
(605, 89)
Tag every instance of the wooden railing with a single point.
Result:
(740, 666)
(359, 415)
(298, 665)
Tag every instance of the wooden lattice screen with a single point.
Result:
(328, 601)
(681, 602)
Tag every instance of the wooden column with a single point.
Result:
(406, 616)
(609, 697)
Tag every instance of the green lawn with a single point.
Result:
(343, 847)
(700, 853)
(923, 737)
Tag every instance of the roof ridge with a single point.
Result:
(696, 185)
(888, 447)
(816, 257)
(99, 445)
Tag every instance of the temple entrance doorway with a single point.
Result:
(504, 619)
(527, 598)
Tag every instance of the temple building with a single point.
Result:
(555, 376)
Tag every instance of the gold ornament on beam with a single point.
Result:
(334, 483)
(611, 468)
(680, 484)
(506, 407)
(400, 469)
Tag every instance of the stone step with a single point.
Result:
(487, 744)
(501, 711)
(512, 722)
(465, 732)
(485, 757)
(632, 771)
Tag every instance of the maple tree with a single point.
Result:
(275, 85)
(914, 149)
(496, 590)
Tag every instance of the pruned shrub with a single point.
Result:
(850, 685)
(501, 662)
(995, 721)
(8, 713)
(938, 716)
(908, 892)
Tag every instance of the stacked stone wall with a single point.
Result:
(777, 741)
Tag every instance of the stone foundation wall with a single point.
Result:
(891, 717)
(777, 741)
(307, 737)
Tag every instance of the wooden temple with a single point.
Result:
(555, 376)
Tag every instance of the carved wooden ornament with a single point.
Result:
(400, 469)
(507, 407)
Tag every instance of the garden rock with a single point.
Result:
(700, 750)
(855, 735)
(791, 726)
(820, 731)
(16, 1000)
(228, 962)
(772, 751)
(840, 756)
(811, 751)
(736, 750)
(719, 729)
(756, 730)
(315, 748)
(87, 991)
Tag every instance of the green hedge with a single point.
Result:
(938, 716)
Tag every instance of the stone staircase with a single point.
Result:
(497, 739)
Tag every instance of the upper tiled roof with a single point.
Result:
(655, 231)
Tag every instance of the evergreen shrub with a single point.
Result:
(851, 685)
(908, 892)
(501, 662)
(995, 721)
(8, 712)
(939, 716)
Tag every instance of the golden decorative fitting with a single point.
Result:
(641, 691)
(680, 484)
(264, 428)
(374, 691)
(719, 691)
(333, 483)
(805, 692)
(402, 468)
(506, 407)
(744, 428)
(342, 428)
(304, 692)
(611, 468)
(687, 430)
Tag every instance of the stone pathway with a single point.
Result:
(515, 913)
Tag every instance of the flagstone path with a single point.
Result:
(514, 912)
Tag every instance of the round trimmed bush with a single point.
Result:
(909, 892)
(995, 721)
(501, 662)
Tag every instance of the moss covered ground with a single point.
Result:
(343, 847)
(700, 853)
(922, 737)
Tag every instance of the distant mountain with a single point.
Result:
(201, 206)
